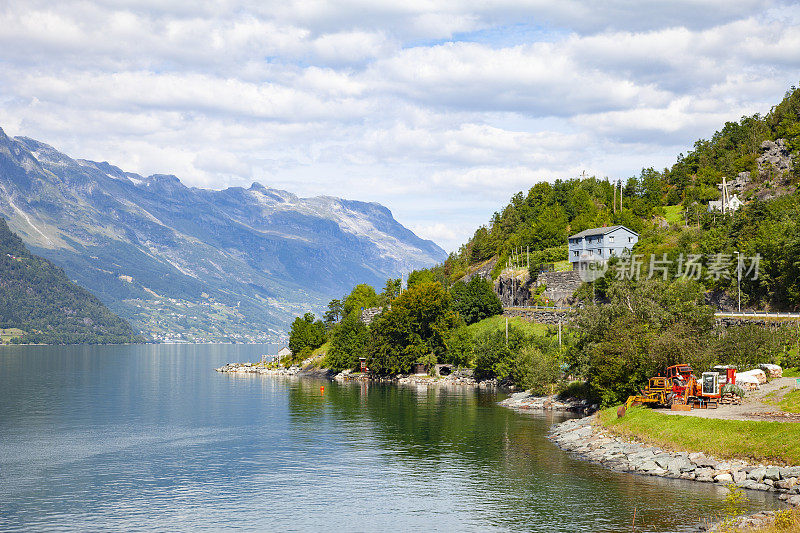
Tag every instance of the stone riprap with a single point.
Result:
(250, 368)
(586, 439)
(527, 401)
(459, 377)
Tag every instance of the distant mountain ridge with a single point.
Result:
(233, 264)
(38, 299)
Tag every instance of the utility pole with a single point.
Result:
(528, 253)
(559, 334)
(506, 331)
(739, 278)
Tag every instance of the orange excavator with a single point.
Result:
(679, 389)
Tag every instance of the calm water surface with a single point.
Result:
(151, 438)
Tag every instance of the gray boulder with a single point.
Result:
(723, 478)
(773, 473)
(757, 474)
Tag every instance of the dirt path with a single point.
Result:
(761, 404)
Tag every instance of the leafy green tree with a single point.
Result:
(418, 277)
(306, 335)
(417, 325)
(362, 295)
(475, 300)
(349, 341)
(645, 327)
(334, 312)
(391, 290)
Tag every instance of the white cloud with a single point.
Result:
(439, 110)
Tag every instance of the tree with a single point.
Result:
(306, 335)
(348, 343)
(646, 326)
(391, 290)
(475, 300)
(362, 295)
(334, 312)
(417, 277)
(417, 325)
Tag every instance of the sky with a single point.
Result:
(439, 110)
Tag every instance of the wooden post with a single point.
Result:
(506, 331)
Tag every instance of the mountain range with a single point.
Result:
(195, 264)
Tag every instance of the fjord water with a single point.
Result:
(151, 438)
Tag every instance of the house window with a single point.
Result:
(630, 239)
(611, 238)
(599, 251)
(590, 252)
(575, 254)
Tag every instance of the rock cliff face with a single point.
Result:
(233, 264)
(775, 160)
(514, 288)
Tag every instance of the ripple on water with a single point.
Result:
(151, 438)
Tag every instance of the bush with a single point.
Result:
(536, 369)
(578, 390)
(733, 389)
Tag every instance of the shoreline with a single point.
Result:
(457, 378)
(585, 439)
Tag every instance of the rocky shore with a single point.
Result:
(527, 401)
(586, 439)
(252, 368)
(457, 378)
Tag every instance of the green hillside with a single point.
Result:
(669, 209)
(39, 304)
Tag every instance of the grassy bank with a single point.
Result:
(791, 403)
(498, 323)
(769, 442)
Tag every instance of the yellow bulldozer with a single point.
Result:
(679, 389)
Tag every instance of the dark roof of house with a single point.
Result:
(600, 231)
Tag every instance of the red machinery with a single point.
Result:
(679, 389)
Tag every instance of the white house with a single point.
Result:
(284, 352)
(726, 203)
(600, 244)
(730, 206)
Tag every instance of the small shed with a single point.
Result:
(284, 352)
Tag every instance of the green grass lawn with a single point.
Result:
(772, 442)
(791, 402)
(791, 372)
(562, 266)
(7, 334)
(498, 323)
(674, 214)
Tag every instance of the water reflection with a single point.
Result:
(151, 438)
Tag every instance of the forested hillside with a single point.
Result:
(37, 298)
(669, 209)
(630, 327)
